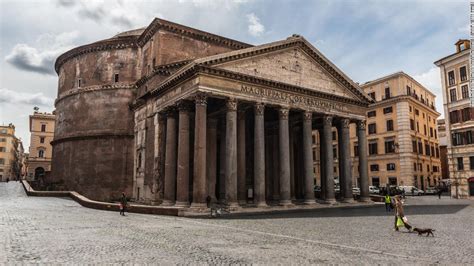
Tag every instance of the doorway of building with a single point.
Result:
(39, 172)
(471, 186)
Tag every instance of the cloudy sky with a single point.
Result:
(365, 38)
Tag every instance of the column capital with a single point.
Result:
(259, 108)
(201, 98)
(231, 104)
(345, 122)
(361, 124)
(327, 120)
(283, 113)
(161, 117)
(307, 116)
(184, 106)
(170, 111)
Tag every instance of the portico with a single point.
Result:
(239, 127)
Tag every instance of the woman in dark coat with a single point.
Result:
(123, 204)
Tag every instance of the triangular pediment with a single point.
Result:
(292, 62)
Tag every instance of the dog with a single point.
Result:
(422, 231)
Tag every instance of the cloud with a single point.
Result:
(255, 28)
(28, 58)
(465, 29)
(14, 97)
(66, 3)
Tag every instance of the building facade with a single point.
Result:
(40, 153)
(10, 154)
(459, 115)
(402, 133)
(172, 115)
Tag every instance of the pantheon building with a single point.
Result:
(175, 116)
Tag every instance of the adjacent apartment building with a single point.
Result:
(10, 154)
(401, 132)
(40, 153)
(459, 116)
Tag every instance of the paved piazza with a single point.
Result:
(55, 230)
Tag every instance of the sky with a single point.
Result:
(366, 39)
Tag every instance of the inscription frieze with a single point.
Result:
(291, 98)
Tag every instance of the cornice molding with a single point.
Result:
(93, 88)
(91, 136)
(161, 70)
(104, 45)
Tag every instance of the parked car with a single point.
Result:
(374, 190)
(317, 189)
(355, 190)
(412, 190)
(431, 191)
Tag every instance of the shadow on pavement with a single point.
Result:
(351, 212)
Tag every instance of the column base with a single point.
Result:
(365, 199)
(347, 200)
(167, 203)
(198, 205)
(181, 204)
(156, 202)
(329, 201)
(261, 204)
(286, 203)
(309, 201)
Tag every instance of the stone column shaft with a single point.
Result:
(259, 157)
(328, 160)
(284, 150)
(241, 171)
(363, 161)
(212, 158)
(231, 153)
(308, 158)
(182, 197)
(345, 160)
(199, 181)
(170, 160)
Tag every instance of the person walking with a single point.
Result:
(399, 214)
(388, 202)
(440, 191)
(123, 204)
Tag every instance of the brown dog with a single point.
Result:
(422, 231)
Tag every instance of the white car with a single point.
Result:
(374, 190)
(355, 190)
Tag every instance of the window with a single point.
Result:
(451, 79)
(414, 166)
(466, 114)
(465, 91)
(437, 151)
(389, 146)
(435, 134)
(390, 167)
(372, 148)
(417, 112)
(43, 128)
(392, 181)
(41, 153)
(372, 95)
(471, 162)
(417, 126)
(372, 114)
(387, 93)
(419, 167)
(427, 149)
(3, 149)
(452, 95)
(372, 128)
(334, 151)
(432, 150)
(431, 132)
(420, 147)
(413, 144)
(454, 117)
(435, 169)
(388, 110)
(463, 73)
(314, 139)
(116, 78)
(427, 168)
(374, 167)
(356, 150)
(334, 135)
(41, 139)
(2, 161)
(389, 125)
(412, 124)
(375, 181)
(154, 62)
(408, 90)
(460, 163)
(410, 109)
(424, 130)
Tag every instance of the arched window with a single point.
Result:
(41, 153)
(39, 172)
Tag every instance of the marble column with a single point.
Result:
(328, 160)
(292, 165)
(170, 160)
(259, 156)
(241, 171)
(160, 159)
(221, 160)
(363, 163)
(284, 151)
(345, 169)
(212, 158)
(231, 153)
(199, 181)
(308, 158)
(182, 197)
(322, 170)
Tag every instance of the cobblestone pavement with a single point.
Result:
(56, 230)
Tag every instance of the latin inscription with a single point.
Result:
(292, 99)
